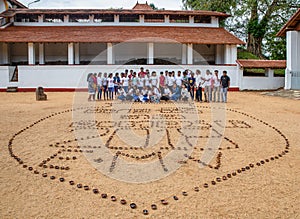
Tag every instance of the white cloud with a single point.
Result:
(101, 4)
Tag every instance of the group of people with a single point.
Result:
(150, 87)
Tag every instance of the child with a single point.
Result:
(184, 93)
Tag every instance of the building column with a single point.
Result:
(66, 18)
(292, 64)
(116, 18)
(150, 49)
(31, 54)
(5, 53)
(77, 53)
(110, 54)
(190, 54)
(71, 53)
(142, 19)
(41, 54)
(230, 54)
(183, 54)
(191, 19)
(167, 19)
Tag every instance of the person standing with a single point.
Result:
(110, 85)
(191, 86)
(170, 81)
(207, 88)
(124, 82)
(216, 86)
(162, 82)
(198, 86)
(225, 84)
(91, 86)
(99, 86)
(104, 84)
(117, 82)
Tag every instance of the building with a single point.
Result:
(57, 48)
(291, 30)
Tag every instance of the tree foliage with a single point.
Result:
(254, 21)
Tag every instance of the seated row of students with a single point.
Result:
(107, 85)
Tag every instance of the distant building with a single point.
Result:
(53, 48)
(291, 30)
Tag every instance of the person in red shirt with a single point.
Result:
(142, 74)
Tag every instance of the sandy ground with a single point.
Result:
(270, 190)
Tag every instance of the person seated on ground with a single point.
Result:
(136, 95)
(121, 94)
(166, 94)
(176, 93)
(129, 94)
(145, 94)
(185, 94)
(154, 95)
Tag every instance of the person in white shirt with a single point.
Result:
(178, 79)
(147, 80)
(104, 84)
(154, 79)
(170, 81)
(185, 94)
(99, 86)
(216, 86)
(199, 83)
(140, 82)
(207, 88)
(166, 94)
(124, 82)
(122, 94)
(110, 86)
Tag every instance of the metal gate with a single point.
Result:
(295, 80)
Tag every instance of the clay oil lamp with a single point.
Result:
(103, 195)
(79, 186)
(52, 177)
(153, 207)
(113, 198)
(71, 183)
(133, 205)
(123, 201)
(145, 212)
(196, 189)
(164, 202)
(44, 175)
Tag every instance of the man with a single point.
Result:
(198, 86)
(216, 86)
(207, 88)
(142, 73)
(225, 84)
(170, 81)
(191, 86)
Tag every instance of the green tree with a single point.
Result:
(254, 21)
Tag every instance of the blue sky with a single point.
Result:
(126, 4)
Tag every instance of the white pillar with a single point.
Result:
(214, 21)
(5, 53)
(41, 18)
(183, 54)
(142, 19)
(31, 54)
(230, 54)
(190, 54)
(110, 54)
(191, 19)
(91, 17)
(71, 53)
(77, 54)
(41, 54)
(167, 19)
(150, 58)
(66, 18)
(116, 18)
(292, 55)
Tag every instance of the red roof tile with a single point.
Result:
(197, 35)
(292, 24)
(254, 63)
(142, 7)
(115, 11)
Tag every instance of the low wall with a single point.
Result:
(261, 83)
(70, 77)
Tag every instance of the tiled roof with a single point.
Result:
(114, 11)
(253, 63)
(199, 35)
(17, 3)
(292, 24)
(139, 6)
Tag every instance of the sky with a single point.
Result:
(101, 4)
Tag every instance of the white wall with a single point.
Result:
(75, 76)
(4, 76)
(259, 83)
